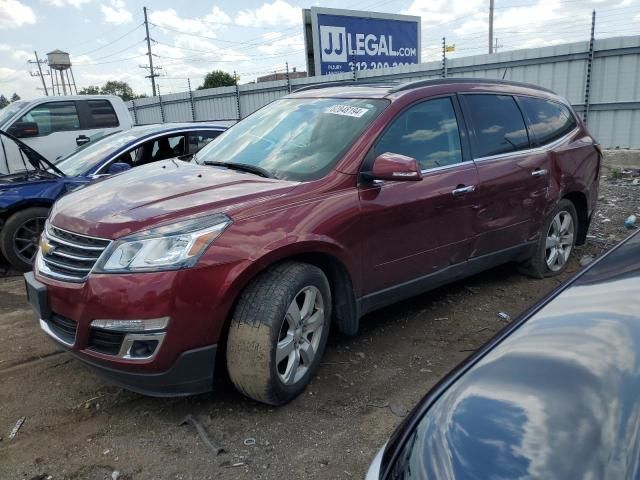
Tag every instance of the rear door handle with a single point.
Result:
(539, 172)
(461, 190)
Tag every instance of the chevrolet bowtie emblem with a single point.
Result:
(45, 246)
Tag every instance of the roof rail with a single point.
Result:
(444, 81)
(348, 83)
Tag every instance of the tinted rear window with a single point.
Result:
(497, 123)
(549, 120)
(102, 114)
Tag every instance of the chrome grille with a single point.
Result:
(69, 256)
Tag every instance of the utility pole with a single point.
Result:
(38, 62)
(490, 26)
(152, 73)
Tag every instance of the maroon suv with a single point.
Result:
(319, 208)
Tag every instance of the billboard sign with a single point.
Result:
(344, 40)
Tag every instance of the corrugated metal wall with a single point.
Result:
(614, 113)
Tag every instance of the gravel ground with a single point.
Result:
(76, 427)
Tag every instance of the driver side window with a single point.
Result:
(53, 117)
(427, 132)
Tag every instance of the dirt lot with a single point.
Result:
(77, 427)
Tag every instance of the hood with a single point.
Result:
(12, 180)
(160, 193)
(31, 188)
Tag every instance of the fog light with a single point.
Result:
(143, 348)
(144, 325)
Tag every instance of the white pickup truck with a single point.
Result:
(55, 126)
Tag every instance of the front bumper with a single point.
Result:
(183, 363)
(191, 373)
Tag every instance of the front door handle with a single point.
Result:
(540, 172)
(462, 190)
(82, 140)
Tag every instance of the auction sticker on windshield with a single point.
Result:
(346, 110)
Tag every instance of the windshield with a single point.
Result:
(80, 161)
(9, 111)
(298, 139)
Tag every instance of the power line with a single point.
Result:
(111, 42)
(111, 61)
(200, 50)
(216, 38)
(129, 47)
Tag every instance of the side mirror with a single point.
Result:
(118, 167)
(395, 167)
(186, 157)
(24, 129)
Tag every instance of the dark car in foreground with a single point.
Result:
(320, 207)
(26, 195)
(555, 395)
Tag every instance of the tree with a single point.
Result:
(15, 97)
(217, 78)
(90, 90)
(3, 101)
(112, 87)
(121, 89)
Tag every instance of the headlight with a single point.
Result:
(170, 247)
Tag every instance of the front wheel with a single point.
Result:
(278, 332)
(555, 243)
(20, 237)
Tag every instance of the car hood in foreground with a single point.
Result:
(159, 193)
(557, 398)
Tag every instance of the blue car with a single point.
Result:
(33, 184)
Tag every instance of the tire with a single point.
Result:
(20, 236)
(542, 263)
(263, 343)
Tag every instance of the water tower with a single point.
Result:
(60, 65)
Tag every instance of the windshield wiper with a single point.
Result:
(37, 161)
(242, 167)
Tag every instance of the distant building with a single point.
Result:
(281, 76)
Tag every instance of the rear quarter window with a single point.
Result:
(549, 120)
(102, 114)
(498, 125)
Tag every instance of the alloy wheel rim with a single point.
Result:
(300, 335)
(559, 241)
(26, 238)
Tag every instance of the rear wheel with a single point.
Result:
(556, 241)
(20, 237)
(278, 332)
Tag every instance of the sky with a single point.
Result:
(106, 38)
